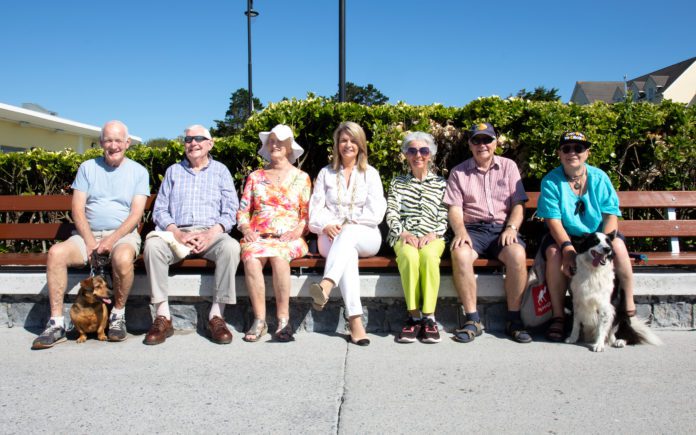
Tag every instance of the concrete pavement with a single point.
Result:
(320, 384)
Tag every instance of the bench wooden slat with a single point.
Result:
(37, 231)
(668, 259)
(45, 202)
(657, 199)
(658, 228)
(26, 259)
(35, 202)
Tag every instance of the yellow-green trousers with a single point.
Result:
(420, 274)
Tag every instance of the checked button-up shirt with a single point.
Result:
(190, 199)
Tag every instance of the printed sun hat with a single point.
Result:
(282, 132)
(482, 128)
(574, 137)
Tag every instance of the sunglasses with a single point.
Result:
(425, 151)
(580, 207)
(577, 148)
(478, 140)
(199, 139)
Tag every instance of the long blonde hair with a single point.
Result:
(357, 133)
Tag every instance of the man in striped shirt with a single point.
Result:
(196, 208)
(486, 207)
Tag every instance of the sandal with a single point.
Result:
(556, 330)
(258, 329)
(319, 299)
(517, 332)
(284, 331)
(468, 332)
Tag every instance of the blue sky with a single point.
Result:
(160, 66)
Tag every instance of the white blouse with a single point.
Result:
(336, 202)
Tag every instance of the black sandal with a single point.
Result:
(556, 330)
(284, 331)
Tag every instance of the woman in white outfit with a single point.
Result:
(346, 207)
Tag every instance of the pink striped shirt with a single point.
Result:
(485, 196)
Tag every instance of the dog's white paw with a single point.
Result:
(620, 343)
(598, 347)
(570, 340)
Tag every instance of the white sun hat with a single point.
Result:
(282, 132)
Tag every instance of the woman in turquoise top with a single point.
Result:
(575, 199)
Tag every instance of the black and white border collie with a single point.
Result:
(599, 306)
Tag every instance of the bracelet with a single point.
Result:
(565, 244)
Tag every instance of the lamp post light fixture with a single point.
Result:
(250, 13)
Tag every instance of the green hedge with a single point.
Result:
(642, 146)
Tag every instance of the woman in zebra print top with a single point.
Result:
(417, 220)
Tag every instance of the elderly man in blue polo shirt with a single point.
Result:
(196, 208)
(109, 195)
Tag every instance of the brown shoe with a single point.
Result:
(217, 328)
(161, 329)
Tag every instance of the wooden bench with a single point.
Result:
(25, 218)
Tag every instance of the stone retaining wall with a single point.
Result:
(383, 315)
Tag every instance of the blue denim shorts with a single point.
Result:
(485, 238)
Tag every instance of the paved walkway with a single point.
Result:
(319, 384)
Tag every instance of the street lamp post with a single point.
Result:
(341, 50)
(250, 13)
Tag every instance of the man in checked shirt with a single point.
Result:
(486, 207)
(197, 203)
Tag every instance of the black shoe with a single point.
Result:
(430, 333)
(410, 332)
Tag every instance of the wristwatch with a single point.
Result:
(565, 244)
(511, 226)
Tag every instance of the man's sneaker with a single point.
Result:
(410, 332)
(429, 333)
(117, 328)
(52, 335)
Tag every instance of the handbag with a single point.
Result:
(536, 301)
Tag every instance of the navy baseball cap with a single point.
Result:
(574, 137)
(483, 128)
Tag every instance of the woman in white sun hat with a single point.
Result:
(272, 216)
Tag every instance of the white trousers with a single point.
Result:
(342, 255)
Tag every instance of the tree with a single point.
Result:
(365, 95)
(540, 94)
(236, 115)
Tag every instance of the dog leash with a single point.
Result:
(98, 267)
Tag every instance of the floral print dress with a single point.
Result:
(272, 210)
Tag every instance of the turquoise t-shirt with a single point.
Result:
(110, 190)
(558, 201)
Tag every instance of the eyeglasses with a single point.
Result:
(580, 207)
(425, 151)
(199, 139)
(577, 148)
(478, 140)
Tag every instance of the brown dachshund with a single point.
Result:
(89, 313)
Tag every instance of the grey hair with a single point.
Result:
(191, 127)
(114, 122)
(419, 136)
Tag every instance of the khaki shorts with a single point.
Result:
(132, 239)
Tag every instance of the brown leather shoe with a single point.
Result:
(217, 328)
(161, 329)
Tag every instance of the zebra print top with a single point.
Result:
(416, 206)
